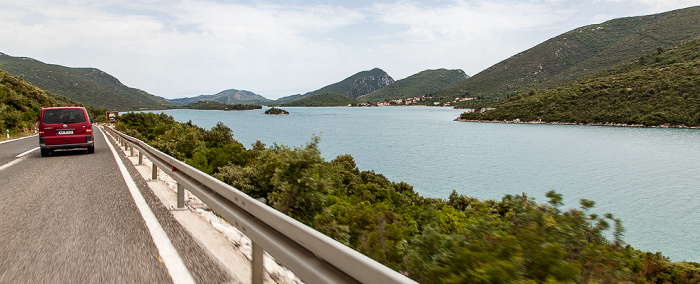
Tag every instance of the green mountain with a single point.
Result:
(580, 52)
(355, 86)
(418, 85)
(90, 86)
(209, 105)
(325, 99)
(21, 102)
(231, 97)
(658, 89)
(287, 99)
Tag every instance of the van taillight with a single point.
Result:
(89, 131)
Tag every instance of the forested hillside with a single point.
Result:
(90, 86)
(579, 52)
(456, 240)
(21, 103)
(658, 89)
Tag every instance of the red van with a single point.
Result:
(65, 128)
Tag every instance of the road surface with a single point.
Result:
(70, 217)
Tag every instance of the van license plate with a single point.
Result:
(65, 132)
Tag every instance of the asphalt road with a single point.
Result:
(70, 218)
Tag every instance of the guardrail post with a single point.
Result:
(140, 158)
(154, 171)
(180, 196)
(131, 150)
(258, 269)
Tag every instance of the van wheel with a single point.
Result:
(91, 150)
(45, 152)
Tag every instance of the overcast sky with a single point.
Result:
(185, 48)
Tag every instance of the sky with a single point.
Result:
(186, 48)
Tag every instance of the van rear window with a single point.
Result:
(63, 116)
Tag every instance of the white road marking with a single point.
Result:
(10, 164)
(15, 139)
(15, 161)
(177, 269)
(32, 150)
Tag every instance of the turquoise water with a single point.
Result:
(649, 178)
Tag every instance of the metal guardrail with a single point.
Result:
(312, 256)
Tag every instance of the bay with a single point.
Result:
(648, 177)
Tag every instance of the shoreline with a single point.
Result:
(517, 121)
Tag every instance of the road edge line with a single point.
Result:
(171, 258)
(17, 139)
(10, 164)
(29, 151)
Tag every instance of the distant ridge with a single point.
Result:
(358, 85)
(322, 100)
(230, 97)
(355, 86)
(424, 83)
(90, 86)
(581, 51)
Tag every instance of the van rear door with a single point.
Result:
(64, 126)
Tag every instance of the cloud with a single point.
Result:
(252, 46)
(160, 47)
(187, 47)
(469, 18)
(470, 35)
(655, 6)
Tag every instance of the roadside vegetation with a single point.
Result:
(459, 239)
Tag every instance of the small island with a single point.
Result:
(276, 111)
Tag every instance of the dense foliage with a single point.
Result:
(208, 105)
(457, 240)
(662, 88)
(580, 52)
(323, 100)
